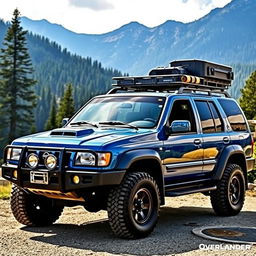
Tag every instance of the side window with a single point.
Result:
(234, 115)
(216, 117)
(204, 111)
(182, 110)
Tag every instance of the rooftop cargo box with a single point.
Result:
(205, 69)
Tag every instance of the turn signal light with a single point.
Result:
(104, 159)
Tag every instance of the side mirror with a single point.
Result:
(179, 126)
(64, 121)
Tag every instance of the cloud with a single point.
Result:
(200, 2)
(96, 5)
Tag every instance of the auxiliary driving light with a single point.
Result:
(32, 160)
(76, 179)
(15, 174)
(50, 162)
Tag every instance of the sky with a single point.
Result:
(100, 16)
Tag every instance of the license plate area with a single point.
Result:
(39, 177)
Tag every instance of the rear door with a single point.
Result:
(239, 129)
(214, 137)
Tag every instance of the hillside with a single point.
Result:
(55, 67)
(225, 35)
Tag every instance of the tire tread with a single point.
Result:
(219, 199)
(118, 216)
(20, 206)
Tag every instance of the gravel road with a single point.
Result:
(81, 233)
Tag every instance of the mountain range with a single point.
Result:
(226, 35)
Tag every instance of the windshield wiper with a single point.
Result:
(84, 122)
(119, 123)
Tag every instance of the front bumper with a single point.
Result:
(63, 180)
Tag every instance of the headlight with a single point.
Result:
(50, 162)
(32, 160)
(85, 158)
(13, 154)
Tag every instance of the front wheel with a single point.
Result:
(33, 210)
(229, 197)
(133, 206)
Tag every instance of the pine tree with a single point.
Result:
(17, 98)
(51, 122)
(66, 106)
(248, 99)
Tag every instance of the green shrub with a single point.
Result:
(252, 176)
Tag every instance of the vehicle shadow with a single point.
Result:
(172, 234)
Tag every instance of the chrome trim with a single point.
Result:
(211, 161)
(184, 164)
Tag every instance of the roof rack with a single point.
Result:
(179, 77)
(169, 83)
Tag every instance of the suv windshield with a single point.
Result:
(141, 112)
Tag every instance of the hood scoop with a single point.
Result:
(71, 133)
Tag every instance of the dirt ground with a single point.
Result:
(81, 233)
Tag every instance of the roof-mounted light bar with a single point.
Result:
(191, 79)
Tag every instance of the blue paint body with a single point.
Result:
(178, 156)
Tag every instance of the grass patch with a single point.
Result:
(5, 191)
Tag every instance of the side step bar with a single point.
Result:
(191, 190)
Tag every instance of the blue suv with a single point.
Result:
(173, 132)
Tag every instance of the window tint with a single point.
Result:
(182, 110)
(207, 122)
(234, 114)
(216, 117)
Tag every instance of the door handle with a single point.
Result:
(197, 141)
(226, 139)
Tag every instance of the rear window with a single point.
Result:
(217, 119)
(234, 115)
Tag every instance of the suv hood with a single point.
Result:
(77, 137)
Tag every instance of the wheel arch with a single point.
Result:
(147, 161)
(232, 154)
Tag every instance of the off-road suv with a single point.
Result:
(173, 132)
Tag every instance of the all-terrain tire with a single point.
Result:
(133, 206)
(229, 197)
(33, 210)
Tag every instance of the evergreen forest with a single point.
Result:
(52, 70)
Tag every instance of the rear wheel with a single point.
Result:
(133, 206)
(33, 210)
(229, 197)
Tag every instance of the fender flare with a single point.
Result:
(224, 158)
(126, 160)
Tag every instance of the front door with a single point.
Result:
(183, 151)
